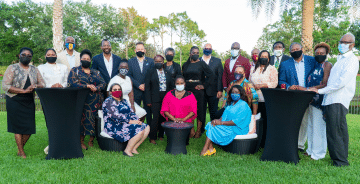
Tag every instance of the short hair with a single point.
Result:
(242, 94)
(68, 37)
(50, 49)
(124, 61)
(115, 84)
(140, 43)
(351, 35)
(86, 51)
(169, 49)
(160, 56)
(179, 77)
(105, 40)
(26, 48)
(295, 43)
(323, 45)
(283, 45)
(239, 66)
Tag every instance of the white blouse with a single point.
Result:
(269, 77)
(54, 73)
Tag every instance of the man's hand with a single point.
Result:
(142, 87)
(137, 122)
(313, 89)
(294, 87)
(219, 94)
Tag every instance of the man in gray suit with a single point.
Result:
(138, 67)
(278, 57)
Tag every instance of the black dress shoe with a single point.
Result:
(301, 150)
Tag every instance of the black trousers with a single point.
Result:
(262, 110)
(337, 133)
(219, 113)
(141, 97)
(212, 102)
(157, 118)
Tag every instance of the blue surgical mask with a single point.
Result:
(70, 46)
(235, 96)
(343, 48)
(207, 52)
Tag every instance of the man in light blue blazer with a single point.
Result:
(138, 67)
(293, 73)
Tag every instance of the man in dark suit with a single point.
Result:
(138, 67)
(107, 63)
(294, 73)
(214, 91)
(279, 56)
(230, 64)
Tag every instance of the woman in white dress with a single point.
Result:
(54, 74)
(127, 89)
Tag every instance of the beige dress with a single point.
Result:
(269, 77)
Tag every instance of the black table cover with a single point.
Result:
(176, 134)
(285, 110)
(63, 109)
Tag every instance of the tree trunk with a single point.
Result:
(154, 44)
(57, 28)
(162, 43)
(307, 26)
(171, 38)
(126, 50)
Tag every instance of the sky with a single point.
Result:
(223, 21)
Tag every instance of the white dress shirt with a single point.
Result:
(300, 71)
(109, 64)
(206, 61)
(54, 73)
(71, 60)
(141, 64)
(341, 84)
(232, 63)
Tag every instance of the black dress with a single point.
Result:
(195, 71)
(21, 112)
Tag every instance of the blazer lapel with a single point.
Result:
(115, 68)
(102, 63)
(294, 71)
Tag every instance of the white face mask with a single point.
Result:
(278, 53)
(180, 87)
(234, 52)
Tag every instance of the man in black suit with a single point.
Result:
(138, 67)
(107, 63)
(214, 91)
(278, 57)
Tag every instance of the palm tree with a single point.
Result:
(307, 15)
(57, 29)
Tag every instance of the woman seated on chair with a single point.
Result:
(180, 105)
(121, 123)
(234, 121)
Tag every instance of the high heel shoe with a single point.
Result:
(213, 151)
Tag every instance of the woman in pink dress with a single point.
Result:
(180, 105)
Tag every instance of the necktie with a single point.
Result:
(277, 63)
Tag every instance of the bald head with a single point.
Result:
(207, 46)
(235, 46)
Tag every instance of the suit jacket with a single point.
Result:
(287, 71)
(99, 64)
(177, 70)
(62, 59)
(152, 85)
(138, 77)
(284, 58)
(228, 75)
(217, 68)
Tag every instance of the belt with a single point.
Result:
(193, 80)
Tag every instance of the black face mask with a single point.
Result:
(140, 54)
(320, 58)
(263, 61)
(85, 64)
(51, 59)
(25, 60)
(296, 54)
(195, 57)
(169, 57)
(158, 65)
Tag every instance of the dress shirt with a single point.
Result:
(342, 80)
(54, 73)
(109, 64)
(206, 61)
(162, 80)
(71, 60)
(232, 63)
(300, 71)
(141, 64)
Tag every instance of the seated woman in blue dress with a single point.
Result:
(234, 121)
(121, 122)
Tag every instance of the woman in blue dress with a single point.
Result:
(121, 123)
(316, 129)
(84, 77)
(234, 121)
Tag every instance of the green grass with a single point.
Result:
(154, 166)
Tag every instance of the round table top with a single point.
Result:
(173, 125)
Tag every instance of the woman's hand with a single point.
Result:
(199, 87)
(136, 122)
(257, 86)
(215, 122)
(179, 120)
(30, 89)
(92, 87)
(149, 105)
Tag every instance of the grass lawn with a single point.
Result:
(154, 166)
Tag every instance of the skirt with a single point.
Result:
(21, 114)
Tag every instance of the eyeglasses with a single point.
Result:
(344, 42)
(24, 55)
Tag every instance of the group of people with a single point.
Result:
(170, 92)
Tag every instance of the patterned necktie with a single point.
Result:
(277, 63)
